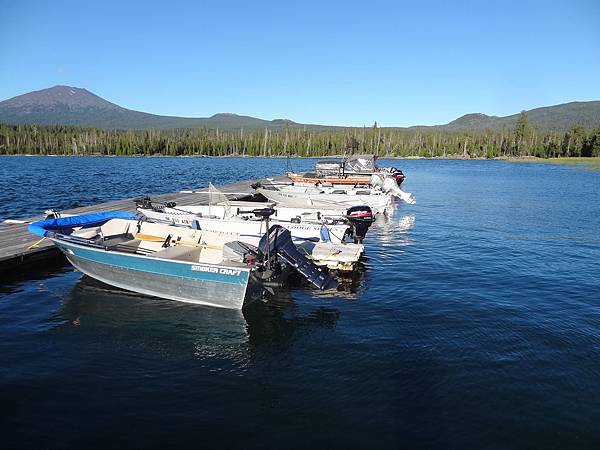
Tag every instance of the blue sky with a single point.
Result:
(337, 63)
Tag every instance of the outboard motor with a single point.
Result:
(361, 218)
(143, 202)
(278, 241)
(397, 175)
(51, 214)
(146, 203)
(376, 180)
(263, 213)
(390, 187)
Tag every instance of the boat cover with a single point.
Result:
(41, 227)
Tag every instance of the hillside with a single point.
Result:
(65, 105)
(554, 118)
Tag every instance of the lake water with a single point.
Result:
(474, 323)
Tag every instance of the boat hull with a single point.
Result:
(300, 231)
(240, 208)
(207, 284)
(347, 180)
(378, 203)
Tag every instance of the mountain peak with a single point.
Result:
(472, 117)
(223, 115)
(64, 88)
(472, 120)
(283, 122)
(69, 97)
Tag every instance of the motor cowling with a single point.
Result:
(397, 175)
(263, 212)
(360, 217)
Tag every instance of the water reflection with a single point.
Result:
(163, 328)
(352, 284)
(394, 228)
(406, 223)
(391, 227)
(175, 330)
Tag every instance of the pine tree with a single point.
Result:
(522, 132)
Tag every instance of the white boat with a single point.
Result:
(196, 266)
(336, 226)
(231, 208)
(326, 196)
(248, 224)
(330, 213)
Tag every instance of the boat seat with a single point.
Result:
(116, 227)
(112, 241)
(86, 233)
(179, 253)
(126, 244)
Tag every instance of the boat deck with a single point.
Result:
(18, 247)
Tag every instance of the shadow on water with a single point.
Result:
(278, 320)
(13, 280)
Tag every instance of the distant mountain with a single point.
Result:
(67, 105)
(557, 118)
(473, 121)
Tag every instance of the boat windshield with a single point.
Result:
(328, 168)
(360, 164)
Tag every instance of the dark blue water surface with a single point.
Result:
(475, 323)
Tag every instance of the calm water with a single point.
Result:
(475, 323)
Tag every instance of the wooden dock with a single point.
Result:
(19, 248)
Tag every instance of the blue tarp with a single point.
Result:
(41, 227)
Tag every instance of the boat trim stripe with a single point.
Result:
(184, 270)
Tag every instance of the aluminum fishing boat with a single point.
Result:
(317, 241)
(184, 264)
(250, 226)
(335, 226)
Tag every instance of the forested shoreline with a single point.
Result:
(521, 141)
